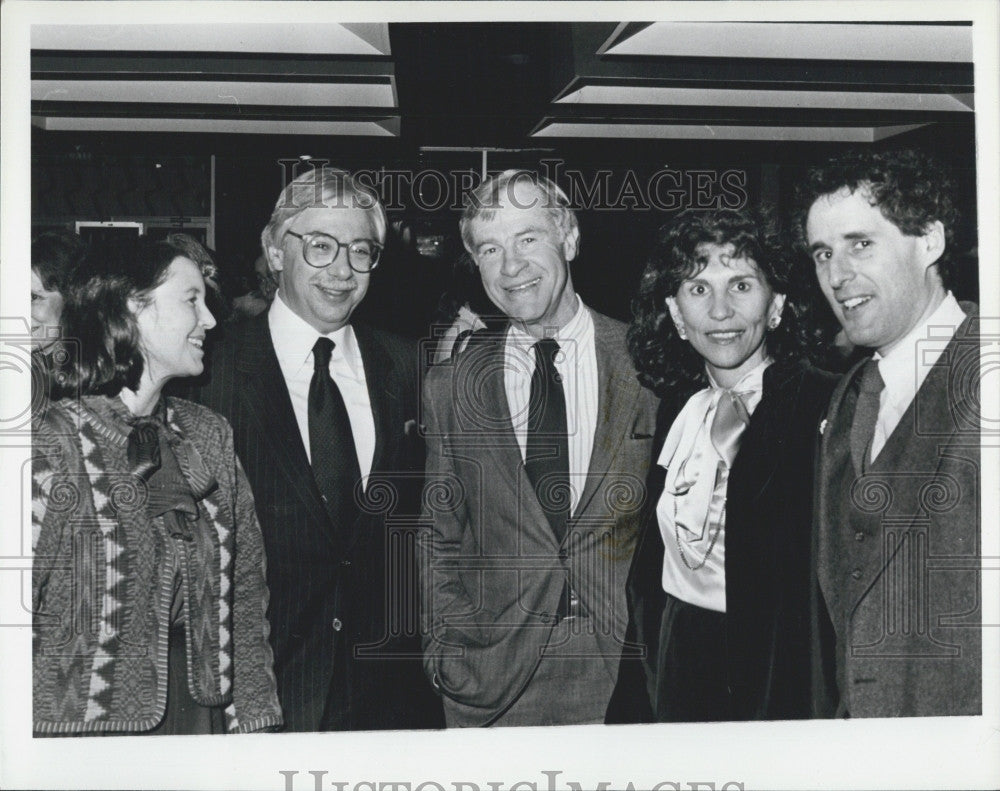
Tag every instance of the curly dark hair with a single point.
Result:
(909, 187)
(98, 317)
(664, 361)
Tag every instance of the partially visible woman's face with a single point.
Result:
(725, 309)
(46, 311)
(173, 323)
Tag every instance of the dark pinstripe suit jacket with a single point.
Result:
(344, 631)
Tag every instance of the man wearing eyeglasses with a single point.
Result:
(323, 412)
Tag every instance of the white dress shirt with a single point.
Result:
(907, 364)
(576, 363)
(293, 340)
(696, 474)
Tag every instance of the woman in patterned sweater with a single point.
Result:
(148, 586)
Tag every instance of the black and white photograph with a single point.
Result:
(507, 396)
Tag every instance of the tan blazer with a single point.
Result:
(491, 570)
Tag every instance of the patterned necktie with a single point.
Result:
(546, 458)
(331, 442)
(870, 386)
(731, 419)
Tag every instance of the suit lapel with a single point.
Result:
(382, 382)
(648, 563)
(618, 391)
(931, 418)
(482, 396)
(833, 448)
(265, 396)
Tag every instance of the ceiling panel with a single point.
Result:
(482, 84)
(848, 134)
(798, 40)
(316, 79)
(750, 97)
(388, 127)
(777, 81)
(290, 38)
(330, 94)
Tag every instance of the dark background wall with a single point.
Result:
(93, 177)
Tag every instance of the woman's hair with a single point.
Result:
(662, 359)
(97, 318)
(54, 254)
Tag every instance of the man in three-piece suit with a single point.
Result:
(323, 414)
(538, 444)
(898, 478)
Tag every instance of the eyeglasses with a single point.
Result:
(320, 250)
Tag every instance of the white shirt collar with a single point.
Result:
(293, 337)
(911, 359)
(751, 382)
(574, 330)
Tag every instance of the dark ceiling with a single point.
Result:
(389, 90)
(620, 99)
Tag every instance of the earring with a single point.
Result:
(681, 332)
(774, 322)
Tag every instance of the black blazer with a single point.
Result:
(344, 631)
(768, 556)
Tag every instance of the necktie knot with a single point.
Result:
(871, 378)
(322, 351)
(546, 350)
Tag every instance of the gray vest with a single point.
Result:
(897, 556)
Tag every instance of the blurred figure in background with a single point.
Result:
(253, 299)
(54, 255)
(464, 309)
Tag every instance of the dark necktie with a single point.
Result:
(870, 385)
(331, 443)
(546, 458)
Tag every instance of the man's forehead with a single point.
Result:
(513, 211)
(860, 195)
(320, 217)
(853, 206)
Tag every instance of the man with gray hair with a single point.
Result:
(538, 443)
(323, 417)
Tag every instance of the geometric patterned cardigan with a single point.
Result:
(104, 576)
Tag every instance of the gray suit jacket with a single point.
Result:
(899, 552)
(491, 570)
